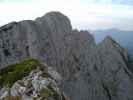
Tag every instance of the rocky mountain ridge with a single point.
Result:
(124, 38)
(40, 84)
(89, 71)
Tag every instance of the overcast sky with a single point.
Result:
(84, 14)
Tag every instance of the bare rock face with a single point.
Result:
(12, 44)
(56, 22)
(115, 74)
(89, 71)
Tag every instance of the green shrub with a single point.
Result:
(12, 73)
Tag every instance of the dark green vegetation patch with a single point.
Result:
(15, 72)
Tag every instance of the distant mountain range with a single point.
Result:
(124, 38)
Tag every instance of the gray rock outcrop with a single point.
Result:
(89, 71)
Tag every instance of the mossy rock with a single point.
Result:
(10, 74)
(45, 93)
(49, 92)
(13, 98)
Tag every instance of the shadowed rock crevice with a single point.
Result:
(107, 91)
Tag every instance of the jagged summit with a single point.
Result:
(109, 39)
(110, 43)
(89, 71)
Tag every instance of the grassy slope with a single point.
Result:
(15, 72)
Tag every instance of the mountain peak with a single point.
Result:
(108, 40)
(56, 21)
(53, 13)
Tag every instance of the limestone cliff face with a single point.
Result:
(49, 38)
(89, 71)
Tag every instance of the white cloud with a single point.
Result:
(84, 15)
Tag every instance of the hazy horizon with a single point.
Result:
(84, 14)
